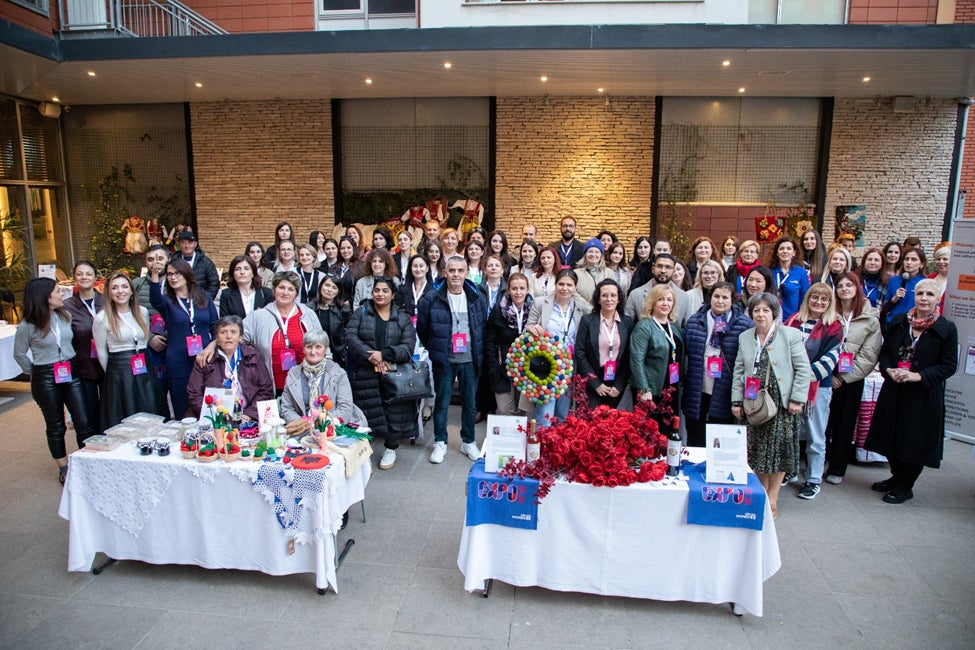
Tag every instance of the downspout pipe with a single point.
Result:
(954, 180)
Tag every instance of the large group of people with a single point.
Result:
(805, 326)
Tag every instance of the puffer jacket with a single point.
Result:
(390, 421)
(434, 324)
(695, 342)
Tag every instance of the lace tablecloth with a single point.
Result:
(175, 511)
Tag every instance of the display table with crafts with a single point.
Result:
(172, 510)
(623, 541)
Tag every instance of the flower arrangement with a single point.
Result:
(322, 420)
(218, 416)
(602, 447)
(539, 388)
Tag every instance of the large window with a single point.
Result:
(785, 12)
(738, 150)
(40, 6)
(370, 7)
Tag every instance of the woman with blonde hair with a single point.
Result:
(746, 260)
(121, 333)
(709, 274)
(656, 345)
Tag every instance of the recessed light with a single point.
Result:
(198, 84)
(599, 90)
(726, 63)
(56, 99)
(448, 65)
(91, 73)
(544, 78)
(866, 80)
(741, 90)
(368, 80)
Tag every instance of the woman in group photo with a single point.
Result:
(318, 375)
(244, 292)
(542, 281)
(505, 323)
(333, 314)
(84, 305)
(791, 279)
(378, 263)
(602, 350)
(656, 347)
(282, 232)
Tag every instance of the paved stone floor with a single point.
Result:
(855, 573)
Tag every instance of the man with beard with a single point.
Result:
(569, 248)
(663, 271)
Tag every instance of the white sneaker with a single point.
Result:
(439, 452)
(388, 459)
(470, 450)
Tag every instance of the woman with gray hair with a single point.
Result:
(773, 446)
(236, 365)
(314, 377)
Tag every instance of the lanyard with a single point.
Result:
(670, 338)
(566, 317)
(780, 279)
(55, 327)
(910, 333)
(131, 328)
(308, 285)
(611, 334)
(190, 312)
(283, 323)
(492, 296)
(520, 316)
(417, 294)
(564, 252)
(90, 306)
(762, 345)
(846, 320)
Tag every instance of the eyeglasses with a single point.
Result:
(173, 274)
(825, 300)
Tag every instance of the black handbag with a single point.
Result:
(408, 382)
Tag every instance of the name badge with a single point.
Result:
(609, 370)
(413, 320)
(713, 367)
(752, 386)
(846, 362)
(62, 372)
(138, 362)
(674, 372)
(194, 345)
(459, 343)
(288, 360)
(572, 351)
(904, 365)
(94, 350)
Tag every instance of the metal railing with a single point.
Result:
(144, 18)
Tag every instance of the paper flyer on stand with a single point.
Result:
(503, 441)
(727, 454)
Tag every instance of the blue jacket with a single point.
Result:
(434, 324)
(695, 342)
(792, 288)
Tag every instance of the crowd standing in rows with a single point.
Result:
(330, 317)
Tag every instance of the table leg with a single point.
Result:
(345, 551)
(97, 570)
(487, 587)
(735, 610)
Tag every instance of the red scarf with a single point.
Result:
(745, 269)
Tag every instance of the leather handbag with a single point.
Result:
(407, 382)
(763, 408)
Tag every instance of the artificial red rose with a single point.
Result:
(658, 472)
(586, 458)
(598, 481)
(581, 477)
(612, 481)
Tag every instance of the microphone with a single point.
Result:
(905, 276)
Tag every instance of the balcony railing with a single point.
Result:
(144, 18)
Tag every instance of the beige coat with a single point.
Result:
(790, 364)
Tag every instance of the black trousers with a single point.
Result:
(697, 429)
(52, 398)
(91, 389)
(843, 410)
(905, 473)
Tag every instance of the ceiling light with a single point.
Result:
(726, 63)
(866, 80)
(544, 78)
(198, 84)
(448, 65)
(599, 90)
(91, 73)
(55, 99)
(741, 90)
(368, 80)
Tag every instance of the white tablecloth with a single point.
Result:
(8, 367)
(174, 511)
(625, 541)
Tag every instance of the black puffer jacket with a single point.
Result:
(389, 421)
(498, 337)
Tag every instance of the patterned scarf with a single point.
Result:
(720, 327)
(510, 312)
(313, 373)
(919, 323)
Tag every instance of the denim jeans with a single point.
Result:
(444, 377)
(814, 426)
(52, 397)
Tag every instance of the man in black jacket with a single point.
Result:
(450, 324)
(206, 274)
(568, 247)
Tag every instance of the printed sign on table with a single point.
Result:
(727, 453)
(504, 441)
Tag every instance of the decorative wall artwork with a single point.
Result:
(852, 219)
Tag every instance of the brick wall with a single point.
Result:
(27, 18)
(896, 163)
(893, 11)
(965, 11)
(574, 156)
(257, 163)
(239, 16)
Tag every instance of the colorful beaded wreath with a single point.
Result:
(539, 389)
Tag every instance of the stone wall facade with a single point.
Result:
(897, 164)
(579, 156)
(258, 163)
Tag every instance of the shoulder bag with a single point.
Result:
(763, 408)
